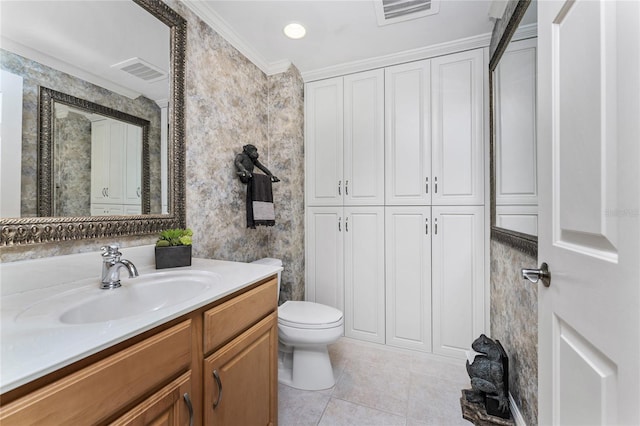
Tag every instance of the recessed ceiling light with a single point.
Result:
(294, 31)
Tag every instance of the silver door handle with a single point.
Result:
(535, 275)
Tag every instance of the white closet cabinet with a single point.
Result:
(364, 312)
(458, 277)
(116, 168)
(457, 108)
(345, 140)
(408, 134)
(345, 266)
(434, 131)
(408, 277)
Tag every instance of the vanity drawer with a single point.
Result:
(227, 320)
(100, 390)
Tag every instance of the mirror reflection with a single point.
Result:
(514, 91)
(75, 48)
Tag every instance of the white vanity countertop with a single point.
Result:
(35, 345)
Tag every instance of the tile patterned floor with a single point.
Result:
(377, 385)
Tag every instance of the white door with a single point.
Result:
(408, 134)
(408, 252)
(457, 108)
(364, 138)
(324, 142)
(458, 277)
(588, 150)
(324, 281)
(100, 137)
(364, 273)
(133, 166)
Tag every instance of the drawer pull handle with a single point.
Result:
(216, 376)
(187, 401)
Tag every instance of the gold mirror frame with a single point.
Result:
(37, 230)
(522, 242)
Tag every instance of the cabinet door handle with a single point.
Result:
(346, 224)
(436, 226)
(219, 383)
(339, 224)
(426, 185)
(138, 192)
(187, 401)
(426, 226)
(346, 187)
(435, 180)
(107, 189)
(339, 187)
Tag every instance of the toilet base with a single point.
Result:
(306, 368)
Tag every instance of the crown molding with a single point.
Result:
(215, 21)
(445, 48)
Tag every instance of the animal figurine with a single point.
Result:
(487, 374)
(246, 160)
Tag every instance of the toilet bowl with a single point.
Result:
(304, 331)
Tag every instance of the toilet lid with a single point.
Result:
(308, 315)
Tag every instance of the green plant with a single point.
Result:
(175, 237)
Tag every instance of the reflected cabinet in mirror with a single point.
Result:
(514, 192)
(92, 120)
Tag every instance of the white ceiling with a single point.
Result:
(339, 32)
(85, 38)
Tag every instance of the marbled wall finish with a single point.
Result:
(35, 75)
(230, 102)
(72, 165)
(286, 158)
(514, 322)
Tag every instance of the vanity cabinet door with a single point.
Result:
(170, 406)
(238, 389)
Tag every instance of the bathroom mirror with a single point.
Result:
(30, 228)
(512, 82)
(94, 160)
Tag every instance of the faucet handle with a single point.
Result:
(112, 250)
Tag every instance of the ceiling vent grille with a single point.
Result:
(392, 11)
(141, 69)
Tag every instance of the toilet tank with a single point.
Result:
(272, 262)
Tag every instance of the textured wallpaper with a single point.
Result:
(230, 102)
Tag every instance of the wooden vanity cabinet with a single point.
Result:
(243, 335)
(144, 381)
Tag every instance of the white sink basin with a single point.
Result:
(147, 293)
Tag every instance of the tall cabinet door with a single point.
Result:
(457, 86)
(133, 165)
(408, 277)
(458, 277)
(324, 142)
(324, 281)
(364, 138)
(408, 134)
(364, 273)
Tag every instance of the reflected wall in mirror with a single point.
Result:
(74, 49)
(94, 160)
(514, 194)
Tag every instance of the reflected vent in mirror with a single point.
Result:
(141, 69)
(392, 11)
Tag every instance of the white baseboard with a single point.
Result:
(515, 412)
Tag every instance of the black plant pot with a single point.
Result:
(173, 256)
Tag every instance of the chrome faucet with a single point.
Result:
(111, 264)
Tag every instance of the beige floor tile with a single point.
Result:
(298, 407)
(452, 370)
(340, 413)
(376, 386)
(434, 401)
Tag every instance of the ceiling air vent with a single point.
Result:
(142, 69)
(392, 11)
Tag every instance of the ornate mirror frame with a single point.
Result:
(505, 28)
(37, 230)
(48, 98)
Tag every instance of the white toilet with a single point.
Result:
(304, 331)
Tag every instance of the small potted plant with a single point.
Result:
(173, 248)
